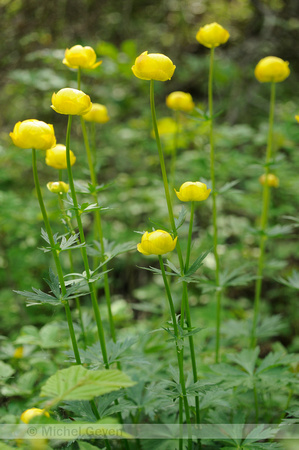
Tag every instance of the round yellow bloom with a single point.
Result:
(180, 101)
(271, 69)
(58, 187)
(56, 157)
(78, 56)
(297, 118)
(33, 133)
(153, 66)
(29, 414)
(212, 35)
(71, 102)
(98, 113)
(18, 353)
(193, 192)
(272, 180)
(158, 242)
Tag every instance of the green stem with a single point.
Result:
(264, 220)
(256, 404)
(185, 302)
(99, 229)
(214, 195)
(83, 249)
(79, 78)
(178, 349)
(56, 257)
(69, 229)
(189, 236)
(174, 153)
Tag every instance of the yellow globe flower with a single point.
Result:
(212, 35)
(58, 187)
(56, 157)
(271, 179)
(18, 353)
(180, 101)
(193, 192)
(153, 66)
(297, 118)
(71, 102)
(29, 414)
(98, 113)
(78, 56)
(271, 69)
(33, 133)
(158, 242)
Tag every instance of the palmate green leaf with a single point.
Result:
(291, 281)
(247, 359)
(181, 219)
(236, 277)
(64, 244)
(227, 186)
(196, 265)
(111, 249)
(279, 231)
(78, 383)
(38, 297)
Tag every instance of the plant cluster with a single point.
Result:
(124, 373)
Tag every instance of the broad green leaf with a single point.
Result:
(6, 371)
(78, 383)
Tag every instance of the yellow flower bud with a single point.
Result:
(56, 157)
(33, 133)
(212, 35)
(18, 353)
(153, 66)
(272, 180)
(78, 56)
(193, 192)
(71, 102)
(180, 101)
(29, 414)
(98, 113)
(271, 69)
(58, 187)
(158, 242)
(297, 118)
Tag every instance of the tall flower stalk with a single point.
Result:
(274, 70)
(95, 305)
(185, 309)
(214, 195)
(98, 220)
(55, 256)
(211, 36)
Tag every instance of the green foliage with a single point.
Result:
(77, 383)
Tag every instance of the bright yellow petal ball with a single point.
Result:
(33, 133)
(71, 102)
(56, 157)
(98, 113)
(29, 414)
(272, 69)
(158, 242)
(180, 101)
(212, 35)
(78, 56)
(193, 192)
(153, 66)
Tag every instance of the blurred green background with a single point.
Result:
(33, 38)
